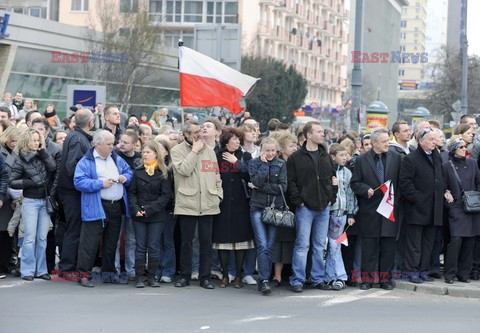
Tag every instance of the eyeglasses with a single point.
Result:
(425, 131)
(462, 147)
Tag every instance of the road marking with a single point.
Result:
(260, 318)
(204, 327)
(19, 283)
(355, 296)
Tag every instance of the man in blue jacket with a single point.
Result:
(102, 177)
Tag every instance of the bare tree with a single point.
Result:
(447, 74)
(124, 48)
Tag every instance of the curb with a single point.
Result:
(459, 290)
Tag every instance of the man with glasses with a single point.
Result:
(421, 184)
(418, 126)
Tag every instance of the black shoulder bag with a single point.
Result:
(278, 218)
(51, 204)
(470, 199)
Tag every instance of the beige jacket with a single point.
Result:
(197, 187)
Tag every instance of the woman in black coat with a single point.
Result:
(149, 193)
(232, 229)
(32, 172)
(463, 227)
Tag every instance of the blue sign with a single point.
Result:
(87, 98)
(3, 25)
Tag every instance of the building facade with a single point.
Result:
(29, 62)
(413, 41)
(310, 35)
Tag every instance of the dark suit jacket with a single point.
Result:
(371, 223)
(421, 184)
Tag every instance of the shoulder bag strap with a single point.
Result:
(283, 196)
(456, 176)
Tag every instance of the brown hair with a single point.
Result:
(336, 148)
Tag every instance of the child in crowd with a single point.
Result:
(341, 212)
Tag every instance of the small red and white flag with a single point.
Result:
(205, 82)
(386, 205)
(343, 239)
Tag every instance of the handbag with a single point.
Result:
(278, 218)
(470, 199)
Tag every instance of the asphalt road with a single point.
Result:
(42, 306)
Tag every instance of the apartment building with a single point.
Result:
(311, 35)
(413, 27)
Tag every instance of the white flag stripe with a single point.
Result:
(386, 205)
(196, 63)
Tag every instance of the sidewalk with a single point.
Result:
(439, 287)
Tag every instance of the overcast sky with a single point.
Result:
(473, 29)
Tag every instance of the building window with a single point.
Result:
(193, 11)
(174, 11)
(18, 10)
(401, 72)
(231, 12)
(35, 11)
(216, 9)
(171, 38)
(80, 5)
(403, 24)
(155, 6)
(128, 6)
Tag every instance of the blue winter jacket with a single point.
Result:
(86, 181)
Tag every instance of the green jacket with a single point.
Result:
(198, 190)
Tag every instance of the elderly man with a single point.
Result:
(102, 176)
(421, 185)
(378, 233)
(198, 189)
(418, 126)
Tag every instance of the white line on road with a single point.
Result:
(259, 318)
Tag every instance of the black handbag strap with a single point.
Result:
(283, 196)
(456, 176)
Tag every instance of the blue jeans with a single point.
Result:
(127, 227)
(147, 236)
(315, 224)
(36, 221)
(167, 249)
(265, 236)
(335, 269)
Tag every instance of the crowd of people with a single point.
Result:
(119, 198)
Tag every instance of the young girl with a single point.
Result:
(149, 193)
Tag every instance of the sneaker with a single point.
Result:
(264, 287)
(249, 280)
(140, 283)
(217, 275)
(194, 276)
(231, 278)
(165, 279)
(338, 285)
(298, 288)
(324, 286)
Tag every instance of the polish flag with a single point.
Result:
(386, 205)
(342, 239)
(205, 82)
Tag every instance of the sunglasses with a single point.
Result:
(425, 131)
(462, 147)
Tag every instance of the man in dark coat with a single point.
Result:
(421, 184)
(75, 146)
(5, 242)
(378, 233)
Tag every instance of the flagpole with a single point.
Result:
(180, 44)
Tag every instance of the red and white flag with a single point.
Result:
(386, 205)
(343, 239)
(205, 82)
